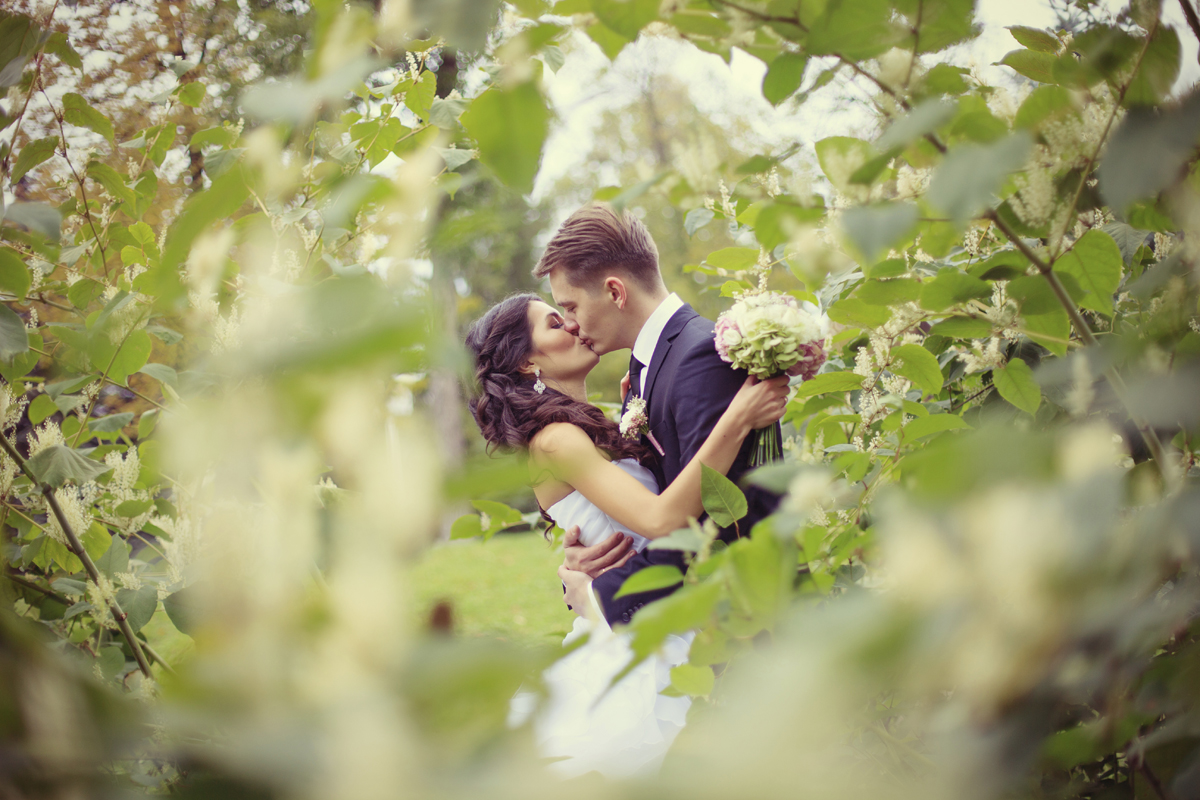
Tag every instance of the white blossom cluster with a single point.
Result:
(183, 546)
(981, 359)
(76, 504)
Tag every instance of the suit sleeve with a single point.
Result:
(704, 387)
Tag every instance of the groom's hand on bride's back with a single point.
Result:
(612, 552)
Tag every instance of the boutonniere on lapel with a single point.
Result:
(635, 422)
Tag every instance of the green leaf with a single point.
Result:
(161, 373)
(219, 202)
(111, 661)
(77, 111)
(120, 360)
(852, 311)
(783, 78)
(191, 94)
(1147, 153)
(509, 127)
(921, 427)
(696, 219)
(777, 222)
(41, 407)
(82, 292)
(945, 79)
(419, 98)
(966, 182)
(829, 382)
(876, 229)
(59, 45)
(110, 424)
(134, 508)
(38, 217)
(732, 258)
(1095, 262)
(951, 287)
(14, 277)
(1016, 385)
(841, 156)
(1128, 238)
(1035, 39)
(1157, 71)
(888, 292)
(96, 540)
(962, 328)
(33, 154)
(111, 180)
(58, 464)
(723, 500)
(14, 339)
(693, 680)
(1032, 64)
(139, 605)
(925, 118)
(609, 40)
(918, 365)
(115, 559)
(853, 29)
(467, 526)
(650, 578)
(1043, 103)
(684, 539)
(626, 17)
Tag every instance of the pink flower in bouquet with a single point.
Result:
(812, 356)
(727, 335)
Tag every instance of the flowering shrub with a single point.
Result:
(981, 581)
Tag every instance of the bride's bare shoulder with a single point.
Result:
(558, 439)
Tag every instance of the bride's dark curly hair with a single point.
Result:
(507, 409)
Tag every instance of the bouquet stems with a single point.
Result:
(766, 447)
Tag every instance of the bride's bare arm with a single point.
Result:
(571, 457)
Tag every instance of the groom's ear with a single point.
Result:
(617, 292)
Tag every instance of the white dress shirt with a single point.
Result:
(647, 338)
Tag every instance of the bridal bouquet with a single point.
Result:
(769, 334)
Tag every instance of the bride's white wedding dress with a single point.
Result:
(622, 731)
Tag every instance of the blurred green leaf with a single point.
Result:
(1016, 385)
(1095, 263)
(509, 126)
(875, 229)
(967, 181)
(14, 340)
(31, 155)
(14, 276)
(693, 680)
(57, 464)
(77, 111)
(919, 366)
(650, 578)
(784, 76)
(723, 501)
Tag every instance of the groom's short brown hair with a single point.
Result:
(594, 241)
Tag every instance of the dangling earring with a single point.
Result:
(538, 386)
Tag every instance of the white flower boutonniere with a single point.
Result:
(634, 421)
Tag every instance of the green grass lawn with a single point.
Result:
(506, 588)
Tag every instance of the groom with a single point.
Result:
(603, 272)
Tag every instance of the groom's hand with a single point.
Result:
(612, 552)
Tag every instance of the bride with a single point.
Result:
(531, 372)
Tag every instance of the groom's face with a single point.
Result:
(592, 315)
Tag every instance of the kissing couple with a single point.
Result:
(611, 490)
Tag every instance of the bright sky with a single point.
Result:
(588, 84)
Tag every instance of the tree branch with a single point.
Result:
(1192, 20)
(77, 548)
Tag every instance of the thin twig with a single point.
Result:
(77, 548)
(1192, 20)
(28, 584)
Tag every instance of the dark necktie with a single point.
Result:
(635, 377)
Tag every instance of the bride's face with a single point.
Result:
(560, 354)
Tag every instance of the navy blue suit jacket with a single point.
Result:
(688, 387)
